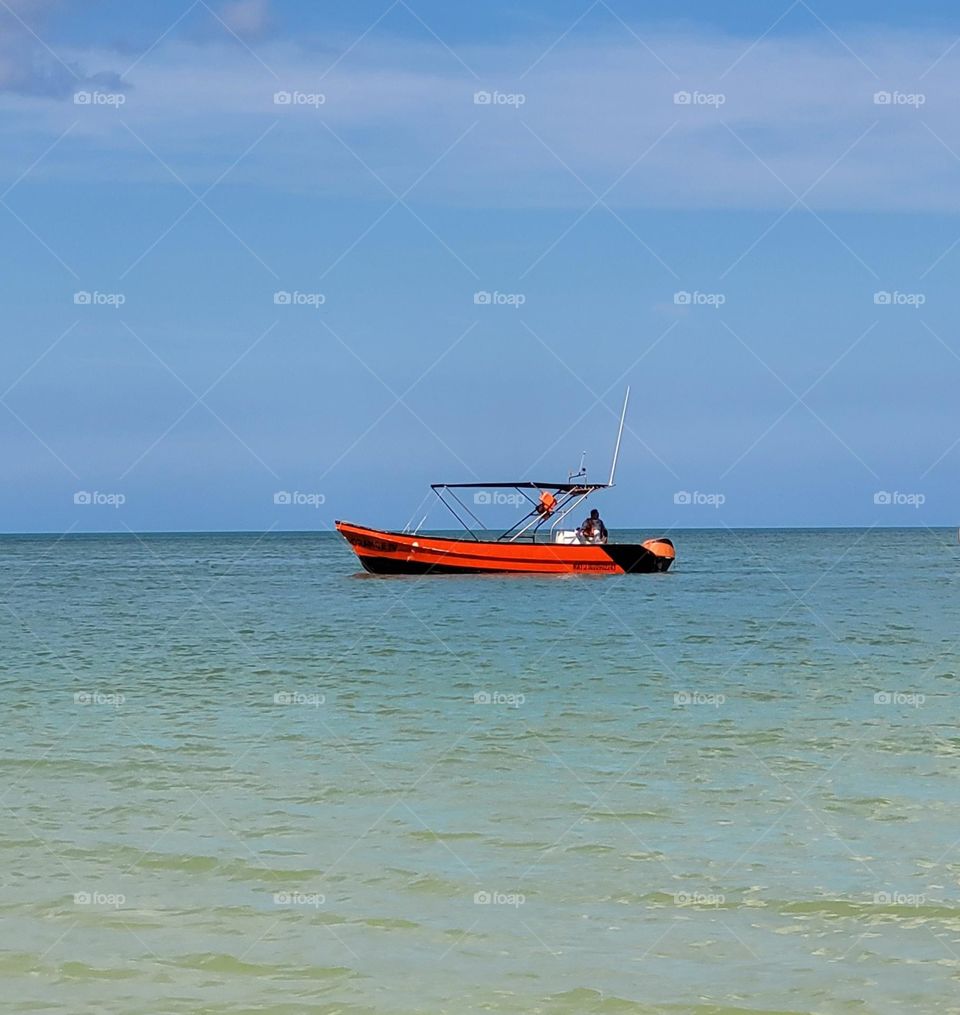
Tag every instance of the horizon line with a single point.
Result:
(66, 534)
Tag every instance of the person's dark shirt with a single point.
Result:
(596, 525)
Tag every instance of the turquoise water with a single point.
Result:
(239, 777)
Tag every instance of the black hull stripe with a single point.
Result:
(630, 553)
(647, 564)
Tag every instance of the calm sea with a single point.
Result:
(239, 777)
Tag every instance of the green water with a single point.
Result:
(238, 777)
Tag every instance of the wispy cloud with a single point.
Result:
(748, 125)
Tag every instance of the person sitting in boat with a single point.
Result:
(593, 530)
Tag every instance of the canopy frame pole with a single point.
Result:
(566, 495)
(574, 501)
(453, 511)
(562, 509)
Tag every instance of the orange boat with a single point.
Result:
(383, 552)
(537, 544)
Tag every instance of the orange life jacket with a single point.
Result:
(547, 503)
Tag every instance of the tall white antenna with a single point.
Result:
(616, 450)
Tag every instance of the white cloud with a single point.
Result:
(804, 106)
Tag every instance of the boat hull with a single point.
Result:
(382, 552)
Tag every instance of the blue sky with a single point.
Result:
(747, 212)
